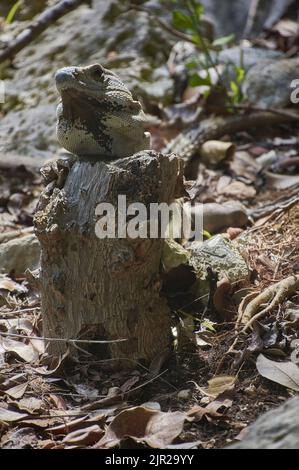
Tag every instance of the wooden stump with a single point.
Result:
(108, 287)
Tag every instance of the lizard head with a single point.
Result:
(97, 114)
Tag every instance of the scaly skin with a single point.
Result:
(97, 115)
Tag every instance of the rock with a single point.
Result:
(173, 255)
(221, 256)
(218, 217)
(183, 53)
(277, 429)
(251, 56)
(213, 152)
(231, 16)
(184, 394)
(20, 254)
(267, 84)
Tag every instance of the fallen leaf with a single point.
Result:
(17, 391)
(209, 411)
(58, 401)
(283, 373)
(12, 286)
(23, 438)
(22, 350)
(218, 385)
(67, 427)
(280, 182)
(10, 416)
(31, 404)
(53, 364)
(129, 383)
(155, 428)
(84, 437)
(79, 423)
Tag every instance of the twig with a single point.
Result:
(251, 16)
(24, 310)
(134, 361)
(65, 340)
(279, 112)
(163, 24)
(35, 28)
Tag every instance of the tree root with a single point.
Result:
(188, 142)
(274, 294)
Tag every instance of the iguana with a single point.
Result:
(97, 114)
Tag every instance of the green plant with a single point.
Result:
(12, 12)
(188, 17)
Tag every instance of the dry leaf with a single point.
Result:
(155, 428)
(78, 423)
(31, 404)
(10, 416)
(284, 373)
(17, 391)
(8, 284)
(209, 411)
(22, 350)
(218, 385)
(84, 437)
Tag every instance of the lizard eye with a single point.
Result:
(97, 71)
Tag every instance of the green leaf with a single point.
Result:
(223, 41)
(199, 11)
(191, 65)
(13, 11)
(208, 325)
(234, 88)
(236, 96)
(196, 80)
(181, 20)
(197, 39)
(206, 234)
(240, 74)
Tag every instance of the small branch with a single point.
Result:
(279, 112)
(65, 340)
(163, 24)
(254, 4)
(34, 29)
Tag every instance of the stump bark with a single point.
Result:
(106, 288)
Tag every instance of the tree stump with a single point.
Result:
(103, 288)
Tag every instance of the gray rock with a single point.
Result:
(251, 56)
(230, 16)
(216, 217)
(277, 429)
(267, 84)
(221, 256)
(20, 254)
